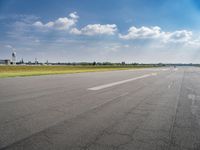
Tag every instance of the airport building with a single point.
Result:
(8, 61)
(5, 62)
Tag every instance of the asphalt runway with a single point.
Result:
(146, 109)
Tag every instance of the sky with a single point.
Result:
(142, 31)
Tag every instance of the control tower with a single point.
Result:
(14, 58)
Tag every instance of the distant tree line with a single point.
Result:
(21, 62)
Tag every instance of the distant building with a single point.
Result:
(36, 61)
(123, 63)
(5, 61)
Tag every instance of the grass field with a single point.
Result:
(14, 71)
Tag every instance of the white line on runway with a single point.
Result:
(170, 85)
(165, 69)
(120, 82)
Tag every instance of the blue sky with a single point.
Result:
(144, 31)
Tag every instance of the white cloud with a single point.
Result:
(75, 31)
(96, 29)
(152, 33)
(142, 33)
(60, 24)
(179, 36)
(194, 43)
(67, 23)
(74, 15)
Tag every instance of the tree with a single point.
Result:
(94, 63)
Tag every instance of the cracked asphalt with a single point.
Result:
(160, 110)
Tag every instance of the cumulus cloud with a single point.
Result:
(74, 15)
(180, 36)
(60, 24)
(69, 23)
(96, 29)
(154, 33)
(194, 43)
(142, 33)
(75, 31)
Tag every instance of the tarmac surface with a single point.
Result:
(145, 109)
